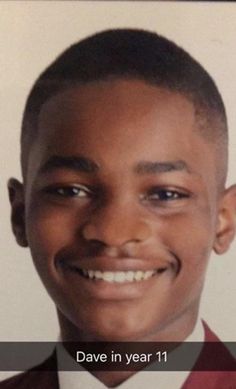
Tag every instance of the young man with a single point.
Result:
(124, 161)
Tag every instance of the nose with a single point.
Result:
(115, 225)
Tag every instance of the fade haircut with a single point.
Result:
(132, 54)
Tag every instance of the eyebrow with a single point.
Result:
(146, 167)
(77, 163)
(86, 165)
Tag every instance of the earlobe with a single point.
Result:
(16, 197)
(226, 228)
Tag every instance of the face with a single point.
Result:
(121, 210)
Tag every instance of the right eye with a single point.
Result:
(78, 191)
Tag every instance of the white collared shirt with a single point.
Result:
(82, 379)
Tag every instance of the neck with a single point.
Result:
(176, 331)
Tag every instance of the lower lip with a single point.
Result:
(110, 291)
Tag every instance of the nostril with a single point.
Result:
(115, 232)
(96, 243)
(95, 247)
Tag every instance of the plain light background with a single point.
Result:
(32, 34)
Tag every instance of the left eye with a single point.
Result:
(165, 195)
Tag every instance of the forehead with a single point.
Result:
(118, 122)
(124, 99)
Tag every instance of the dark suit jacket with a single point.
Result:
(43, 378)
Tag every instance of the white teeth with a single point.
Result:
(90, 273)
(108, 276)
(138, 275)
(129, 275)
(119, 276)
(98, 275)
(148, 274)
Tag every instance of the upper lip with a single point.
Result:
(115, 264)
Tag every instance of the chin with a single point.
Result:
(118, 328)
(115, 335)
(101, 327)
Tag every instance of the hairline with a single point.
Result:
(204, 115)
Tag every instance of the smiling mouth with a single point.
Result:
(117, 276)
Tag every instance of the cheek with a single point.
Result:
(190, 233)
(190, 236)
(48, 230)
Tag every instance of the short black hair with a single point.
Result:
(128, 53)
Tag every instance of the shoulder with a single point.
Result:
(42, 376)
(215, 367)
(217, 351)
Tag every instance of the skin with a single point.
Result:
(148, 200)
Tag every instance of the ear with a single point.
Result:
(16, 197)
(226, 227)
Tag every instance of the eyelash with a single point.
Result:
(69, 191)
(155, 195)
(165, 194)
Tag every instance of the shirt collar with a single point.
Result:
(162, 379)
